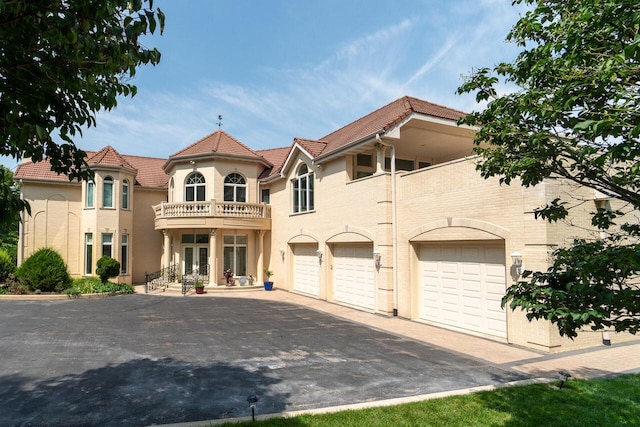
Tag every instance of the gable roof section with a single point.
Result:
(385, 118)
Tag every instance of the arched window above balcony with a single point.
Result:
(235, 188)
(194, 189)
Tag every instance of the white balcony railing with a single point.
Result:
(212, 209)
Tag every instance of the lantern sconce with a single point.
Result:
(319, 254)
(282, 252)
(377, 257)
(516, 259)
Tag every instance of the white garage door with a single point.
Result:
(306, 269)
(353, 275)
(462, 286)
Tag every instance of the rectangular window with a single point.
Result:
(401, 164)
(125, 194)
(107, 192)
(235, 254)
(107, 243)
(423, 165)
(89, 199)
(124, 255)
(364, 160)
(266, 196)
(88, 253)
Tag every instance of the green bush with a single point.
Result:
(93, 285)
(107, 267)
(7, 266)
(44, 271)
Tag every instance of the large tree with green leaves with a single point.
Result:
(61, 61)
(576, 115)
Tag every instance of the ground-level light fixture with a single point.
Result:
(564, 376)
(252, 399)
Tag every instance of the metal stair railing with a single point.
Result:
(160, 279)
(189, 279)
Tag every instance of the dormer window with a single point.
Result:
(235, 188)
(107, 192)
(302, 188)
(194, 190)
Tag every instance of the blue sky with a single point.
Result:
(281, 69)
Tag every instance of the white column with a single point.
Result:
(259, 255)
(380, 150)
(167, 249)
(212, 258)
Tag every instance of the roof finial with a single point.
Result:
(219, 121)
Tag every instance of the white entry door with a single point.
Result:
(462, 285)
(306, 269)
(353, 275)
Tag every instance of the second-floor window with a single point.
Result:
(194, 190)
(107, 192)
(125, 194)
(302, 187)
(235, 188)
(89, 199)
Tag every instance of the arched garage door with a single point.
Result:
(353, 275)
(461, 286)
(306, 269)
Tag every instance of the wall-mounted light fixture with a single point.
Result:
(377, 257)
(319, 254)
(193, 162)
(516, 259)
(282, 252)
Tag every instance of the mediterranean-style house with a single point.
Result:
(386, 214)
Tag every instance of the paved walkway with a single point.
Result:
(587, 363)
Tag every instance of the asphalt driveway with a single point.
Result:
(140, 360)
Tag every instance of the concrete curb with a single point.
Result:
(362, 405)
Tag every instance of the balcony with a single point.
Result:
(212, 214)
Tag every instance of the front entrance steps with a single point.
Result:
(176, 289)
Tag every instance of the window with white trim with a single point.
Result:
(107, 243)
(107, 192)
(89, 195)
(124, 254)
(88, 253)
(302, 190)
(235, 254)
(235, 188)
(125, 194)
(194, 189)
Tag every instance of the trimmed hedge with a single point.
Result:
(44, 271)
(107, 267)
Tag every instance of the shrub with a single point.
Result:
(44, 271)
(7, 266)
(107, 267)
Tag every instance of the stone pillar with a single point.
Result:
(259, 256)
(213, 274)
(167, 250)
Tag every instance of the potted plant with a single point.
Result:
(268, 285)
(199, 287)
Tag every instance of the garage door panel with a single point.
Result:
(462, 286)
(306, 269)
(354, 275)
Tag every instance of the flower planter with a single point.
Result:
(268, 286)
(199, 290)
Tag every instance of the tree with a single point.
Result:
(10, 207)
(60, 63)
(575, 116)
(107, 267)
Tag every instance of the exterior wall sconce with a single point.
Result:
(282, 252)
(319, 254)
(377, 257)
(516, 259)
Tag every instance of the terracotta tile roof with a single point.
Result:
(275, 156)
(108, 156)
(218, 142)
(384, 118)
(150, 172)
(315, 148)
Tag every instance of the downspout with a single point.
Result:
(394, 225)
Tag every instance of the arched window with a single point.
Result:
(194, 188)
(125, 194)
(302, 188)
(235, 188)
(107, 192)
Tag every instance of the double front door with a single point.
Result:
(196, 260)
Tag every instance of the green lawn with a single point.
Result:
(601, 402)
